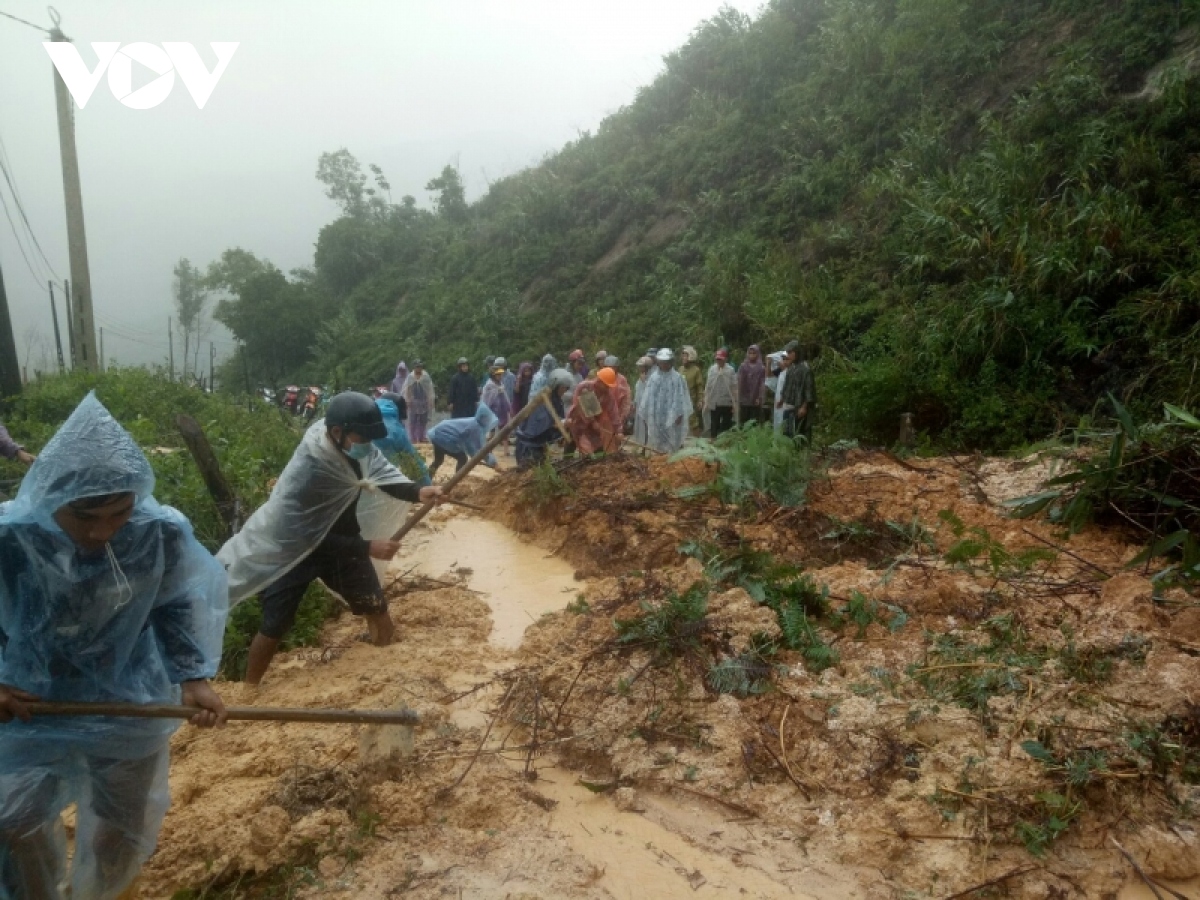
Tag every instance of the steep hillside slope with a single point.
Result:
(980, 212)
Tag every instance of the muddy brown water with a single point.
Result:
(661, 847)
(519, 581)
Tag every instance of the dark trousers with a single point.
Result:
(750, 413)
(439, 456)
(797, 426)
(721, 419)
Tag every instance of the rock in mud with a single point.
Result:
(269, 829)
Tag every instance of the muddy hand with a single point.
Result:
(11, 706)
(200, 693)
(383, 550)
(432, 494)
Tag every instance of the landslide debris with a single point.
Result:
(895, 673)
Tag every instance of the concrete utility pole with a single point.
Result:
(212, 367)
(57, 334)
(70, 324)
(10, 369)
(84, 336)
(101, 357)
(171, 347)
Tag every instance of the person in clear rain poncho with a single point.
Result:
(105, 596)
(644, 365)
(330, 516)
(666, 405)
(419, 396)
(540, 377)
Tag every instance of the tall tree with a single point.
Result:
(452, 197)
(191, 301)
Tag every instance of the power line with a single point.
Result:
(24, 22)
(10, 177)
(37, 276)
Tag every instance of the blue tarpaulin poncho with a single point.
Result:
(465, 435)
(128, 623)
(397, 439)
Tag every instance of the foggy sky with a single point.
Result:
(492, 85)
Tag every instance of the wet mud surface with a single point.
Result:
(554, 760)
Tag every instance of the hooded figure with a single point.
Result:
(104, 596)
(751, 377)
(549, 364)
(666, 406)
(462, 438)
(401, 377)
(397, 440)
(496, 398)
(464, 393)
(419, 396)
(524, 383)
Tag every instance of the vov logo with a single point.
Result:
(171, 57)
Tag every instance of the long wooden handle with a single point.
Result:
(243, 713)
(425, 508)
(562, 428)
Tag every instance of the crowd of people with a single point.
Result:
(107, 597)
(594, 409)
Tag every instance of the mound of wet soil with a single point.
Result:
(997, 721)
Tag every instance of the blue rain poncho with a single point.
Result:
(666, 405)
(128, 623)
(540, 377)
(466, 435)
(397, 439)
(316, 487)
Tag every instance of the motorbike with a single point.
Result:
(291, 399)
(312, 403)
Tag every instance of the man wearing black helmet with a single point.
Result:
(310, 528)
(464, 392)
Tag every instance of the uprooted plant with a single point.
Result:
(1148, 478)
(755, 462)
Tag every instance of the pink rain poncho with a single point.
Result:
(129, 623)
(666, 405)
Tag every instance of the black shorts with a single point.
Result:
(350, 576)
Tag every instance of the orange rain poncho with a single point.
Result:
(594, 419)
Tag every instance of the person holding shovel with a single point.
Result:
(594, 419)
(105, 596)
(330, 516)
(540, 430)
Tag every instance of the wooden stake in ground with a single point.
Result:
(424, 509)
(235, 713)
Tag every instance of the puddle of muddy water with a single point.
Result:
(519, 581)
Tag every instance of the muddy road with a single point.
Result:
(559, 759)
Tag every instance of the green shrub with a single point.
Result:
(755, 461)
